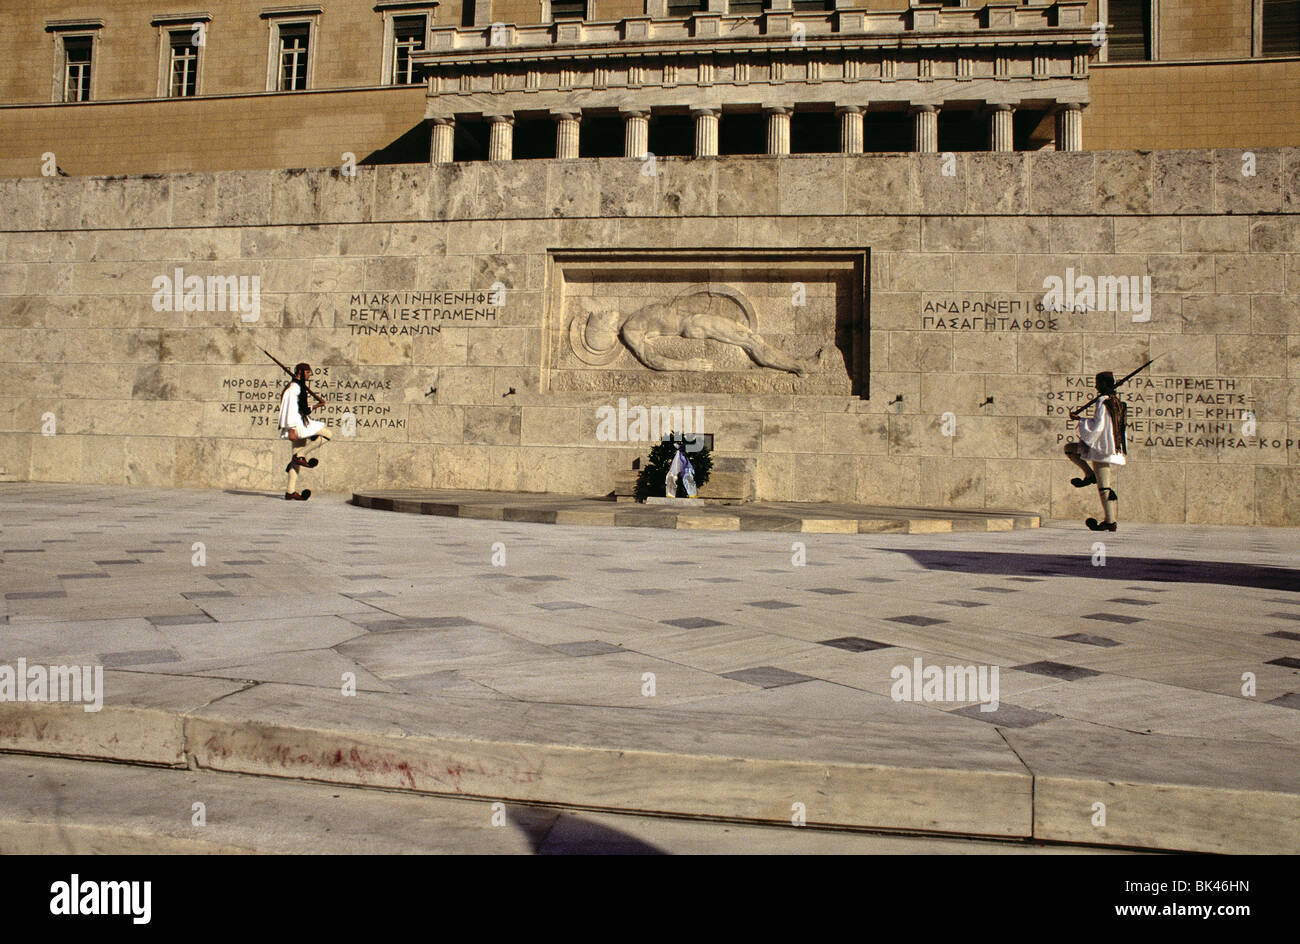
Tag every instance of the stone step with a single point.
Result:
(88, 807)
(693, 514)
(948, 775)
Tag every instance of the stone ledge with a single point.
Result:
(687, 514)
(1038, 783)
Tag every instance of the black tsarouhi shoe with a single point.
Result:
(1095, 525)
(298, 496)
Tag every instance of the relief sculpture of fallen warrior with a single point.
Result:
(693, 314)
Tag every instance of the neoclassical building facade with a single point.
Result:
(138, 87)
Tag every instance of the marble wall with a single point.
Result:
(429, 300)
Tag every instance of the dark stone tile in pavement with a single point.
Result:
(829, 591)
(771, 604)
(23, 550)
(83, 576)
(1008, 716)
(691, 622)
(1284, 634)
(685, 563)
(1113, 618)
(876, 579)
(145, 550)
(997, 589)
(125, 560)
(208, 594)
(1295, 602)
(1289, 662)
(1087, 640)
(36, 594)
(1286, 616)
(915, 620)
(620, 570)
(965, 603)
(242, 563)
(1289, 700)
(365, 576)
(231, 576)
(372, 594)
(1060, 670)
(562, 605)
(855, 644)
(592, 648)
(180, 619)
(539, 578)
(649, 591)
(1027, 579)
(718, 579)
(137, 657)
(1129, 601)
(768, 676)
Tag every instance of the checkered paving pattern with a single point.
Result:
(1186, 631)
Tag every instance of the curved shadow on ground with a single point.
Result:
(570, 834)
(1158, 570)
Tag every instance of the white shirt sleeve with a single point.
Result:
(1098, 434)
(290, 418)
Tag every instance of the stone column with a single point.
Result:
(850, 129)
(501, 137)
(1069, 127)
(636, 133)
(442, 140)
(925, 128)
(566, 134)
(706, 131)
(778, 129)
(1000, 136)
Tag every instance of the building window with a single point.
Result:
(812, 6)
(686, 7)
(408, 38)
(183, 71)
(1129, 36)
(76, 68)
(1281, 27)
(294, 40)
(745, 7)
(568, 9)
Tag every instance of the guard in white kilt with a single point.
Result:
(1103, 442)
(303, 432)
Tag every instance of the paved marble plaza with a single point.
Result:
(242, 596)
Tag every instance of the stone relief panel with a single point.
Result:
(755, 322)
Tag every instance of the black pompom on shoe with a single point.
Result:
(1095, 525)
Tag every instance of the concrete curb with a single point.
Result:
(754, 516)
(874, 775)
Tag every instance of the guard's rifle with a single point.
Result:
(1074, 414)
(310, 392)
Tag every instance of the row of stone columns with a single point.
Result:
(636, 134)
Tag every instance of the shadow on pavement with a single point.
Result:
(1117, 568)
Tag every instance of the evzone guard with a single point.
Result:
(1103, 442)
(296, 425)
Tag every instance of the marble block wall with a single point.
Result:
(435, 303)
